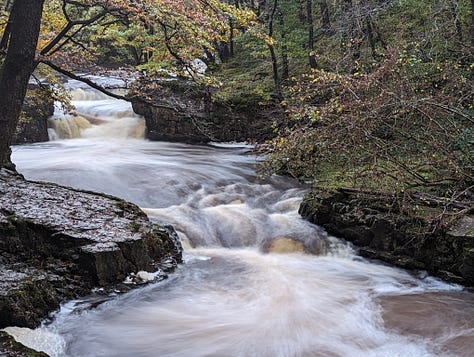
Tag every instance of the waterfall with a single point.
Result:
(257, 279)
(96, 115)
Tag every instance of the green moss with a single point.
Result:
(183, 86)
(135, 227)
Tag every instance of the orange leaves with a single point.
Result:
(183, 29)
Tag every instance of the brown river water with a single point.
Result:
(247, 288)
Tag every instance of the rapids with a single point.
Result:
(234, 295)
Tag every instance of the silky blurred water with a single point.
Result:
(234, 295)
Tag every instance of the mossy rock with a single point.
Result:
(400, 234)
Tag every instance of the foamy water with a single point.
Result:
(96, 115)
(234, 296)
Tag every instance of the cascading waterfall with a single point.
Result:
(96, 116)
(257, 279)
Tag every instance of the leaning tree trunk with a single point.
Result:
(25, 20)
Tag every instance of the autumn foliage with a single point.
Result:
(158, 33)
(404, 124)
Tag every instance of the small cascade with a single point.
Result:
(257, 279)
(68, 127)
(96, 115)
(81, 94)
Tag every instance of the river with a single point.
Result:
(257, 279)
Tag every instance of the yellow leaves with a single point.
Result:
(181, 28)
(269, 41)
(53, 21)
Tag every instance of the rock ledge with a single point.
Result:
(406, 234)
(57, 243)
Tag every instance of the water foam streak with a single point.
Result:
(235, 295)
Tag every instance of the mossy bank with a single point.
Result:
(183, 111)
(413, 231)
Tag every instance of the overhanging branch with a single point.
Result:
(105, 90)
(84, 80)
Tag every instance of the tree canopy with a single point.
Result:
(378, 91)
(71, 34)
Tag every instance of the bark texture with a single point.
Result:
(25, 19)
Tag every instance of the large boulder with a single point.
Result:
(57, 243)
(406, 231)
(179, 110)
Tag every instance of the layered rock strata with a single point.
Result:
(57, 243)
(413, 232)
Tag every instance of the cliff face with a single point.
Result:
(57, 243)
(408, 236)
(186, 112)
(33, 124)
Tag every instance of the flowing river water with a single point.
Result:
(257, 279)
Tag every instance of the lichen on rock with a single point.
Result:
(386, 228)
(57, 243)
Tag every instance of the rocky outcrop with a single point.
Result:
(57, 243)
(186, 112)
(33, 123)
(407, 234)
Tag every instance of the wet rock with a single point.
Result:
(283, 245)
(185, 112)
(57, 243)
(407, 236)
(33, 124)
(292, 245)
(27, 294)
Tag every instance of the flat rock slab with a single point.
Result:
(57, 242)
(9, 347)
(81, 215)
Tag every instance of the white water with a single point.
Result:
(96, 115)
(230, 298)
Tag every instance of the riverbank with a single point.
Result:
(57, 243)
(180, 110)
(410, 230)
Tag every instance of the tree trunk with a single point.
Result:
(285, 66)
(19, 64)
(371, 37)
(355, 31)
(231, 38)
(453, 6)
(276, 76)
(472, 25)
(325, 21)
(309, 15)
